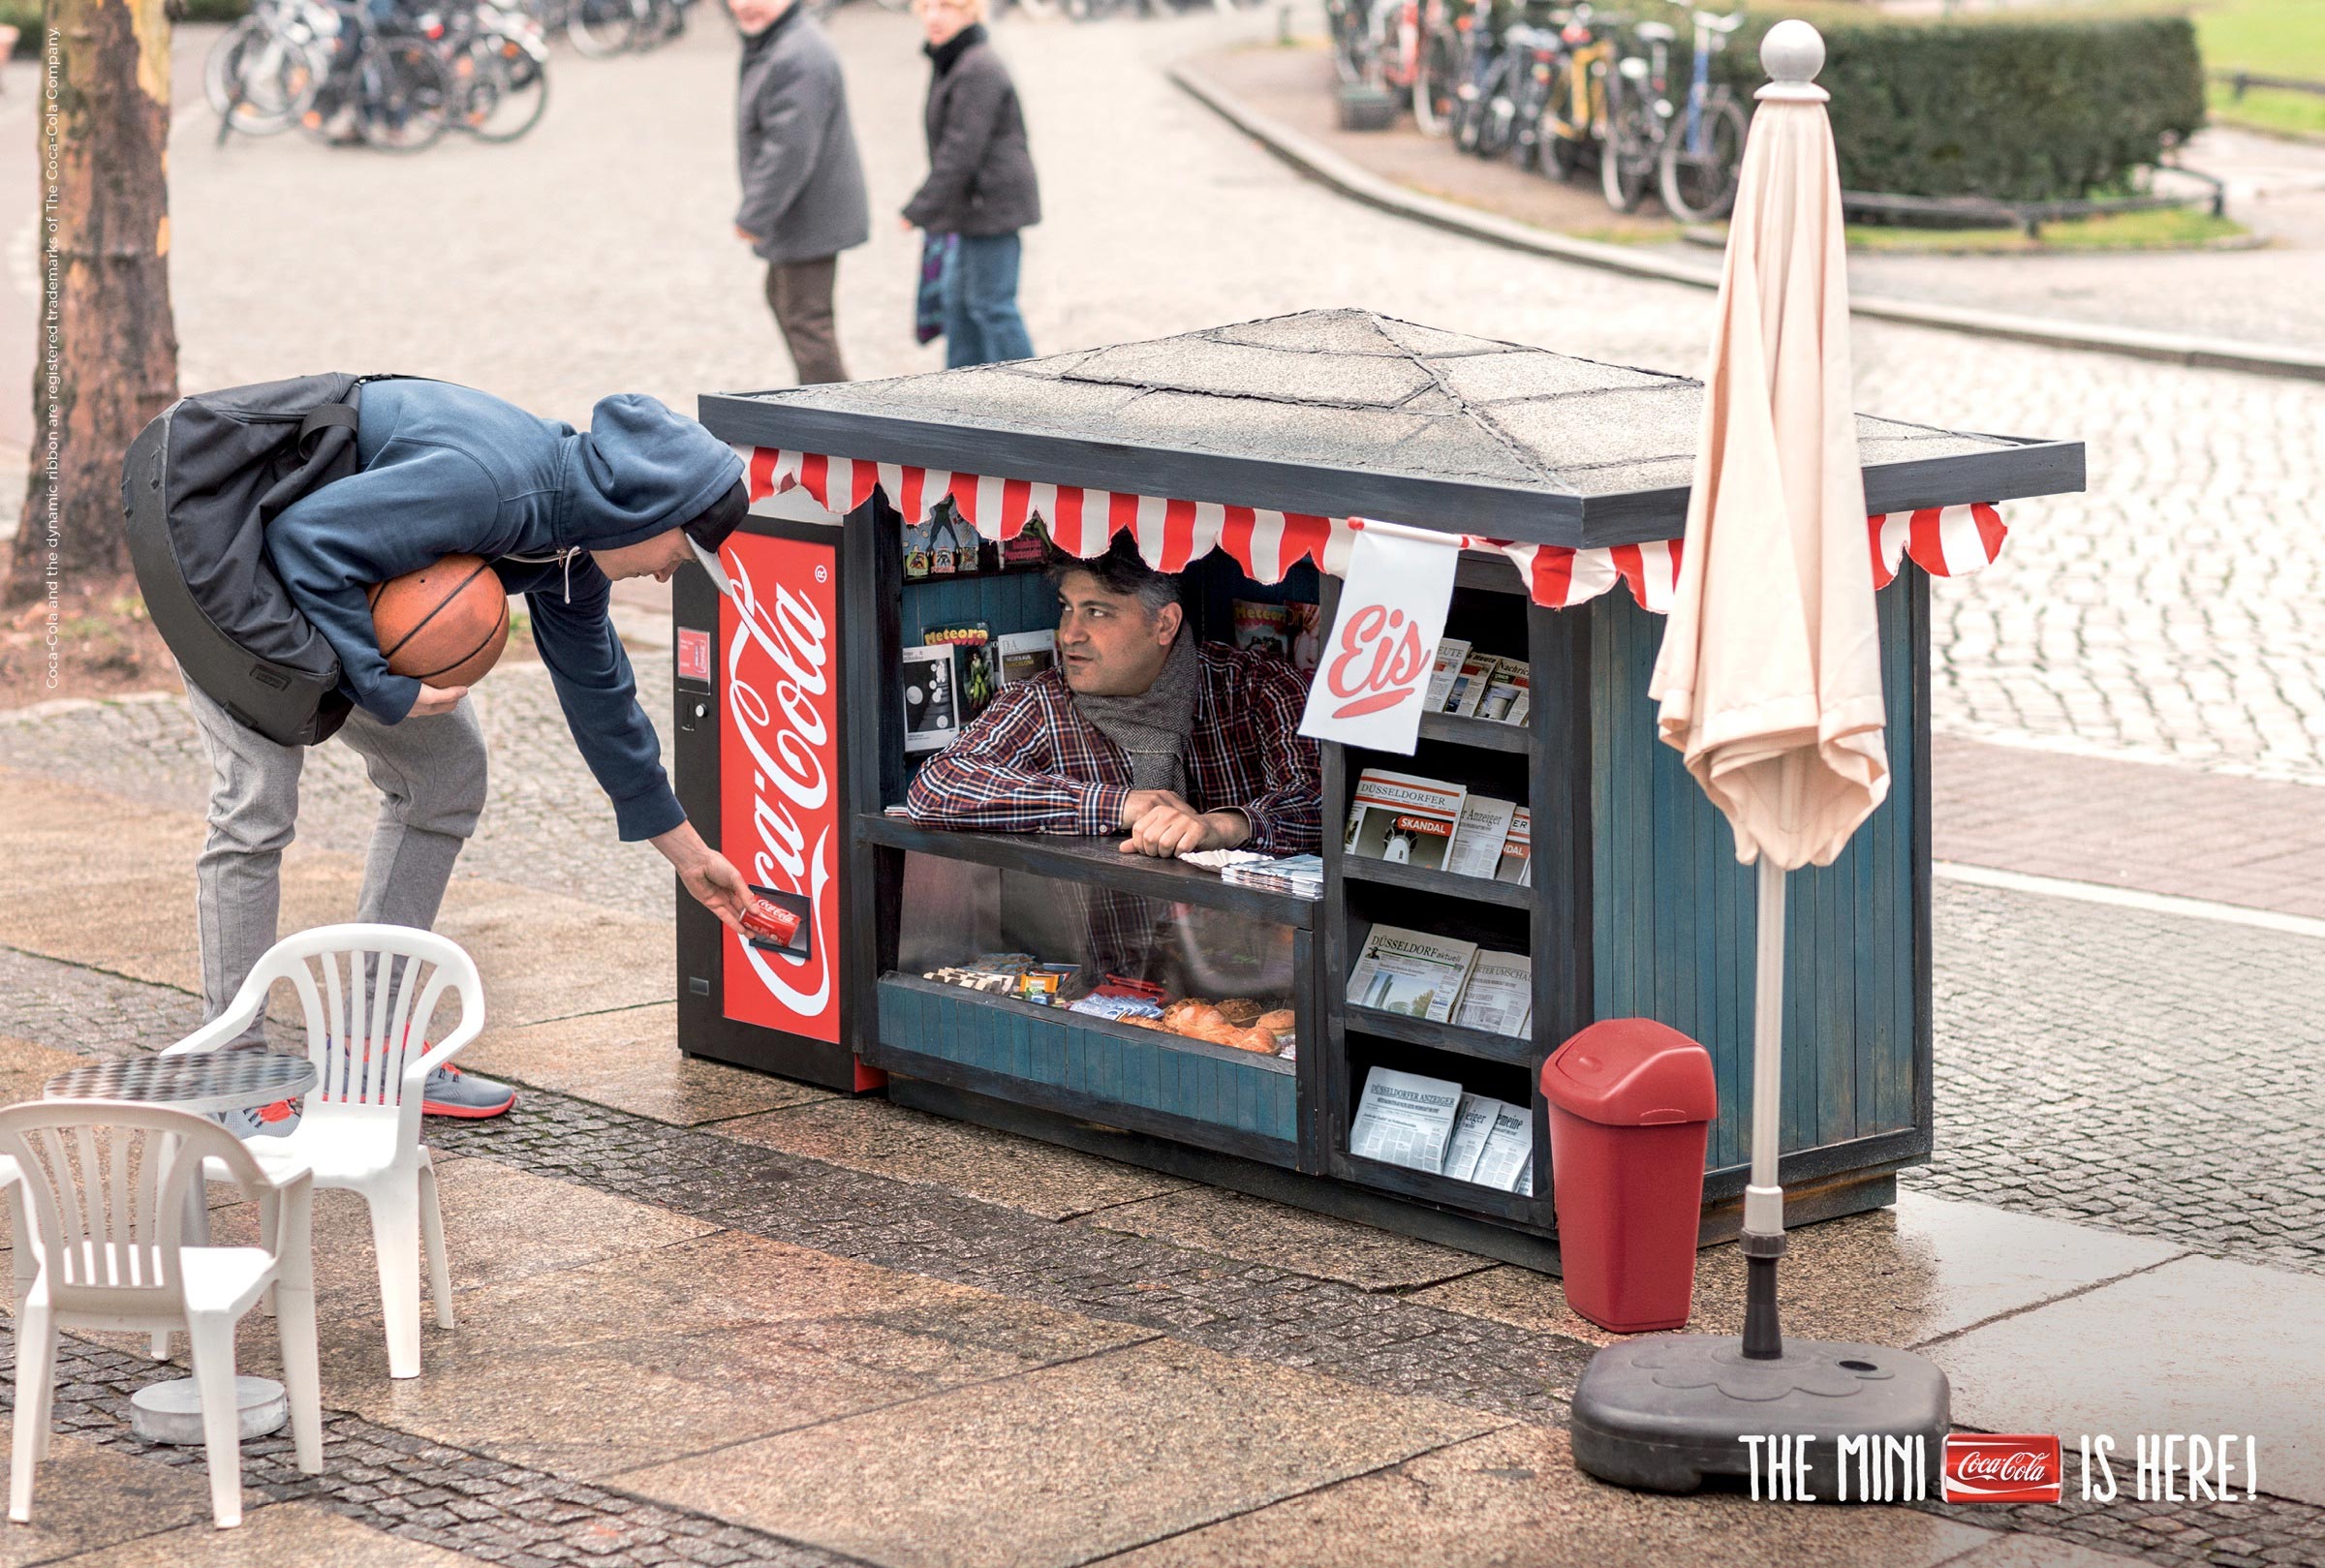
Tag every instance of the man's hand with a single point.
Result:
(745, 235)
(1138, 802)
(706, 873)
(904, 222)
(434, 699)
(1172, 827)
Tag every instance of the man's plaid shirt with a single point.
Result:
(1030, 763)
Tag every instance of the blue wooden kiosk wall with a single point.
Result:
(1676, 917)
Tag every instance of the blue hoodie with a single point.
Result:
(448, 471)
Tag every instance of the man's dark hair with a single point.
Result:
(1120, 571)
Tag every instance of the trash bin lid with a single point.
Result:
(1631, 1073)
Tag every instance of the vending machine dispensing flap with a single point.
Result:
(780, 923)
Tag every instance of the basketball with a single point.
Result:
(443, 624)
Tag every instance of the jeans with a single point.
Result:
(431, 775)
(981, 324)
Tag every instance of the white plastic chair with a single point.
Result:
(107, 1183)
(367, 1021)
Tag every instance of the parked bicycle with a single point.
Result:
(1572, 121)
(499, 65)
(1381, 43)
(1702, 161)
(264, 73)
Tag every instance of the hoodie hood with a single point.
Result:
(640, 470)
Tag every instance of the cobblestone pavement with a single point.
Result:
(1372, 1340)
(2161, 615)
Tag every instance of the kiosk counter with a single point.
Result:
(1241, 458)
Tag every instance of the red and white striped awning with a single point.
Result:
(1945, 542)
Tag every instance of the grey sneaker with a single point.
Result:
(452, 1092)
(266, 1121)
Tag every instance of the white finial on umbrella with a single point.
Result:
(1793, 52)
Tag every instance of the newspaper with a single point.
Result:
(1404, 1119)
(1402, 818)
(1477, 847)
(1467, 689)
(1500, 996)
(1517, 851)
(1450, 652)
(1507, 695)
(1470, 1125)
(1411, 972)
(1509, 1153)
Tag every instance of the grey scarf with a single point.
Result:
(1153, 726)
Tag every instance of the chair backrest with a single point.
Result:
(108, 1182)
(369, 995)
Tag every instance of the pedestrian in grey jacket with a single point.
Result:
(803, 186)
(981, 184)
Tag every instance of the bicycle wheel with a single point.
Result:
(404, 95)
(602, 27)
(1700, 186)
(502, 89)
(1626, 157)
(1556, 144)
(258, 80)
(1435, 89)
(659, 22)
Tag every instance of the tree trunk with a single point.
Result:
(106, 355)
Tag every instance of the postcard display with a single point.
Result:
(1289, 1035)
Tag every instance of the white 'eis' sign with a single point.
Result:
(1368, 687)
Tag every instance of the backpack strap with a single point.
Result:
(326, 417)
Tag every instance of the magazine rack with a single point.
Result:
(1636, 906)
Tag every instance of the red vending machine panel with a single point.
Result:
(779, 773)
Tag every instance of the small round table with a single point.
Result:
(204, 1083)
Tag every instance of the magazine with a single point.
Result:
(1470, 1125)
(1500, 996)
(1508, 1152)
(1517, 851)
(1450, 652)
(1023, 654)
(1301, 875)
(1029, 549)
(1397, 816)
(1469, 686)
(1404, 1118)
(931, 717)
(972, 645)
(1411, 972)
(1477, 847)
(1505, 700)
(1288, 630)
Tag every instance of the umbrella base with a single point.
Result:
(1665, 1412)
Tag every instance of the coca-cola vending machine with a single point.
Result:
(761, 764)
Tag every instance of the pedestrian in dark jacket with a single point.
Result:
(979, 187)
(559, 515)
(803, 186)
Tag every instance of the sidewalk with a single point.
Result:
(707, 1312)
(2265, 297)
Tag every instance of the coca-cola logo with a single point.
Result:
(2002, 1469)
(1379, 663)
(779, 708)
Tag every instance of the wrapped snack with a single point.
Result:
(1241, 1011)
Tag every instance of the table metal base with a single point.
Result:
(1664, 1412)
(172, 1412)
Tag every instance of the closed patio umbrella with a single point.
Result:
(1768, 684)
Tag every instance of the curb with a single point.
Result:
(1330, 168)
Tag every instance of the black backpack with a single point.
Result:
(200, 486)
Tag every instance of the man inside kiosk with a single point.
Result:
(1138, 730)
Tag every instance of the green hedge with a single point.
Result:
(2013, 109)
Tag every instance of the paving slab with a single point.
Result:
(629, 1059)
(84, 1497)
(498, 1225)
(284, 1535)
(977, 1162)
(1060, 1466)
(1900, 1276)
(24, 1067)
(1514, 1499)
(60, 834)
(650, 1357)
(1255, 1230)
(2035, 1552)
(547, 955)
(2198, 1346)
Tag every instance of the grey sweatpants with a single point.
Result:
(431, 775)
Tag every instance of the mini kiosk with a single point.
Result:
(1239, 456)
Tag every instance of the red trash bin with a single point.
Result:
(1631, 1104)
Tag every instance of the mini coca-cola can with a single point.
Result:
(764, 917)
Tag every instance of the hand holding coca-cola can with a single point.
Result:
(764, 917)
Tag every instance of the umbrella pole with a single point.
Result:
(1763, 1240)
